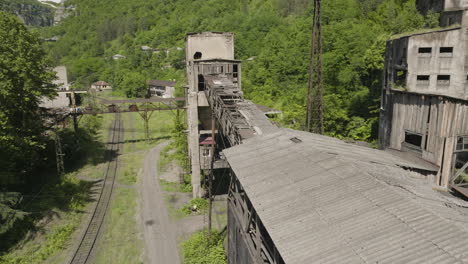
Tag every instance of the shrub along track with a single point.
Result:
(88, 240)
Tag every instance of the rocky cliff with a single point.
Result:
(31, 12)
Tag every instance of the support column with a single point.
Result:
(193, 141)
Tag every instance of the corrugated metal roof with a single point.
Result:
(326, 201)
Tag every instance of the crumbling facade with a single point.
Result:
(425, 93)
(215, 103)
(206, 53)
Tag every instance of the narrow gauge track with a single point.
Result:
(88, 240)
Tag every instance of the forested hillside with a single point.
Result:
(274, 33)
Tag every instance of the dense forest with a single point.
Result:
(275, 34)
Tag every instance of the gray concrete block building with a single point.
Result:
(425, 97)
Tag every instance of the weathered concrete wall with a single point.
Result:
(450, 18)
(207, 45)
(211, 45)
(436, 63)
(455, 4)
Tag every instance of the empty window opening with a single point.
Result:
(197, 55)
(425, 50)
(422, 80)
(443, 79)
(400, 78)
(446, 50)
(413, 140)
(206, 152)
(462, 144)
(460, 161)
(201, 83)
(235, 70)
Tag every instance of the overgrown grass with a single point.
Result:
(175, 187)
(61, 204)
(121, 242)
(201, 249)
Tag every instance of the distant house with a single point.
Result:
(101, 85)
(118, 57)
(52, 39)
(164, 89)
(146, 48)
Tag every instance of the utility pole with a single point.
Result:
(74, 112)
(211, 176)
(315, 93)
(146, 118)
(58, 153)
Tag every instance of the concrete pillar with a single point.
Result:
(193, 141)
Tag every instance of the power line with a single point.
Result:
(315, 93)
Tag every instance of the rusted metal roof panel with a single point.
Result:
(325, 201)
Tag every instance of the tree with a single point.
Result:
(25, 77)
(134, 85)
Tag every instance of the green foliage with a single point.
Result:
(199, 203)
(24, 79)
(201, 249)
(277, 32)
(134, 85)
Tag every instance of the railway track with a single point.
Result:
(83, 252)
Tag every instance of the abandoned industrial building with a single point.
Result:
(298, 197)
(425, 95)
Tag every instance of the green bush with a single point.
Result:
(200, 249)
(201, 204)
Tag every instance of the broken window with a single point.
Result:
(197, 55)
(413, 141)
(462, 144)
(400, 78)
(422, 80)
(460, 161)
(446, 51)
(443, 79)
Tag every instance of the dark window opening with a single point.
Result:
(197, 55)
(413, 141)
(206, 152)
(443, 79)
(201, 83)
(462, 144)
(400, 78)
(425, 50)
(422, 80)
(446, 49)
(235, 70)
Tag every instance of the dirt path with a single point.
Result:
(158, 230)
